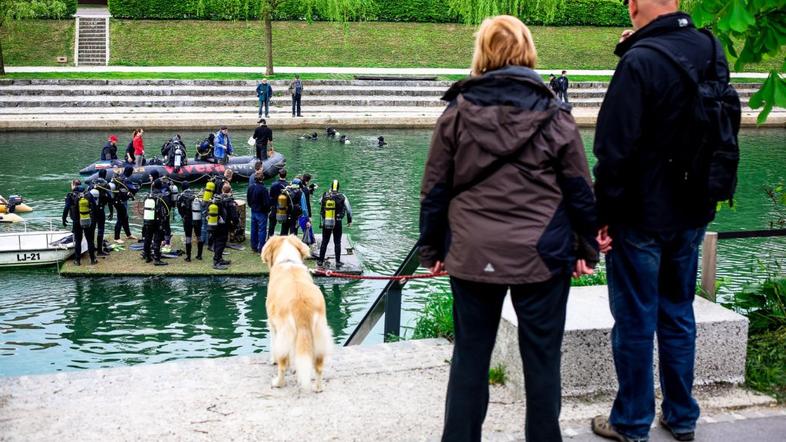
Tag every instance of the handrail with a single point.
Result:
(709, 258)
(387, 303)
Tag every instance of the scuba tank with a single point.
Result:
(282, 210)
(210, 187)
(178, 156)
(150, 210)
(84, 211)
(196, 210)
(330, 214)
(212, 215)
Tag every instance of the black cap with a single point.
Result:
(128, 171)
(262, 121)
(154, 174)
(102, 173)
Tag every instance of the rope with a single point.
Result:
(332, 274)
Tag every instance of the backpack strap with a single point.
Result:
(679, 60)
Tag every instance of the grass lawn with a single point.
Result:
(37, 42)
(371, 44)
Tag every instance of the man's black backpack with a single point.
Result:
(710, 170)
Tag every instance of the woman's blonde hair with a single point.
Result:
(503, 41)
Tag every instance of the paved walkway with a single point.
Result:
(384, 392)
(302, 70)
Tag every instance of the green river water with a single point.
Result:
(49, 323)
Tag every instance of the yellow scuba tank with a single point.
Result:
(150, 210)
(330, 214)
(84, 211)
(212, 216)
(282, 209)
(210, 187)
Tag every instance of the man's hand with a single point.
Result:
(438, 267)
(604, 240)
(625, 34)
(110, 217)
(582, 269)
(65, 223)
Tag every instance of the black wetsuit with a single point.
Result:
(124, 190)
(342, 209)
(191, 226)
(99, 214)
(154, 232)
(72, 209)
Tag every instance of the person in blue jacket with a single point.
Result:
(223, 145)
(264, 93)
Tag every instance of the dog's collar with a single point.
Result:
(288, 261)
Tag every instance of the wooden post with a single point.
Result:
(709, 249)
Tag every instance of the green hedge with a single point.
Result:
(44, 10)
(565, 13)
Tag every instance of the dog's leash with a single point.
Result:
(332, 274)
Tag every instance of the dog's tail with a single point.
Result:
(304, 351)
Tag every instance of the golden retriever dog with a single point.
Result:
(299, 331)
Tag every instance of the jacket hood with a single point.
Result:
(500, 106)
(661, 25)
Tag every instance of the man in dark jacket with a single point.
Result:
(656, 228)
(264, 94)
(79, 206)
(263, 135)
(275, 191)
(562, 85)
(259, 202)
(124, 190)
(553, 85)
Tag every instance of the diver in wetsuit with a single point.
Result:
(102, 194)
(79, 206)
(123, 191)
(334, 206)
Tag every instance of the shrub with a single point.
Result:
(498, 375)
(764, 305)
(436, 320)
(538, 12)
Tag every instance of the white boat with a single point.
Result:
(36, 247)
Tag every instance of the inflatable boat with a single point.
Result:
(193, 172)
(14, 204)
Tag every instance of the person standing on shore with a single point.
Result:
(139, 147)
(563, 83)
(553, 85)
(655, 179)
(296, 91)
(264, 93)
(506, 207)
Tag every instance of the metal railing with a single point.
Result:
(387, 303)
(709, 251)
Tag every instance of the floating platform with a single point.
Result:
(129, 262)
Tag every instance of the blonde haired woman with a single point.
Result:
(506, 205)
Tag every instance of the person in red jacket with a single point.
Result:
(139, 147)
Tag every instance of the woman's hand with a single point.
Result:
(438, 267)
(604, 240)
(582, 269)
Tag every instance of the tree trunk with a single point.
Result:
(2, 62)
(269, 43)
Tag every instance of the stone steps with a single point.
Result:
(92, 41)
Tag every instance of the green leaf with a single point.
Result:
(738, 18)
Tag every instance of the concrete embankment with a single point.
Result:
(199, 104)
(378, 392)
(382, 392)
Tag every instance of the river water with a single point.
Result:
(49, 323)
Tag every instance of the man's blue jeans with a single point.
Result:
(652, 283)
(258, 230)
(264, 103)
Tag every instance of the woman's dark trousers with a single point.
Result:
(477, 307)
